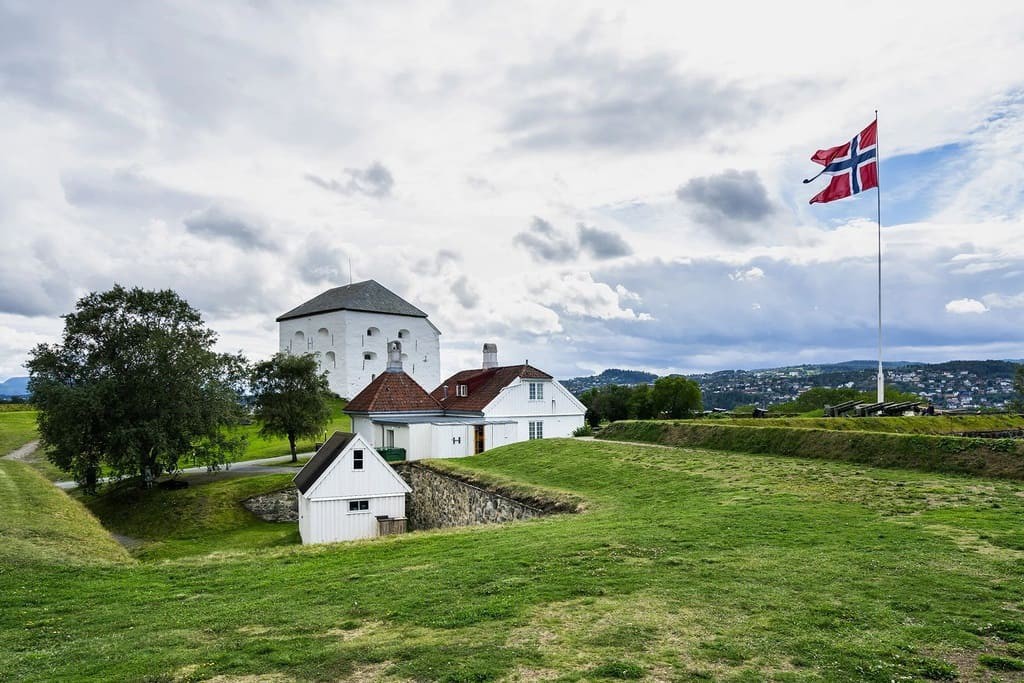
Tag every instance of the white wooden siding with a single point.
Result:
(330, 521)
(514, 402)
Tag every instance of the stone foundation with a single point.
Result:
(439, 500)
(279, 506)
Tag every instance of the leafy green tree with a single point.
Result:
(290, 398)
(1017, 403)
(676, 397)
(134, 385)
(641, 402)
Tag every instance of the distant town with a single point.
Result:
(952, 385)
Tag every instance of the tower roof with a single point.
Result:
(369, 296)
(393, 392)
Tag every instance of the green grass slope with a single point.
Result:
(40, 524)
(197, 520)
(937, 424)
(17, 428)
(933, 453)
(686, 565)
(257, 447)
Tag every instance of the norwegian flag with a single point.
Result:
(853, 166)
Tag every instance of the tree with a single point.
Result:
(675, 397)
(1017, 403)
(290, 397)
(641, 402)
(134, 386)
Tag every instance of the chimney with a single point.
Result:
(395, 356)
(490, 356)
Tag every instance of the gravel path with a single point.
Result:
(200, 475)
(24, 452)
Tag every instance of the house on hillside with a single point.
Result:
(349, 328)
(470, 412)
(347, 491)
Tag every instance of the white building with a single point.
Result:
(470, 412)
(347, 491)
(348, 328)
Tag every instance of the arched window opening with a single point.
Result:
(332, 360)
(325, 335)
(369, 355)
(373, 332)
(403, 334)
(298, 342)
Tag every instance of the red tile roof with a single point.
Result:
(392, 392)
(483, 386)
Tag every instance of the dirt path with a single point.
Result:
(23, 453)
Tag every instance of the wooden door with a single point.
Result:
(478, 439)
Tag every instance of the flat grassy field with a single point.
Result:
(258, 447)
(685, 565)
(17, 428)
(934, 424)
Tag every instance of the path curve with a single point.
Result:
(246, 468)
(24, 452)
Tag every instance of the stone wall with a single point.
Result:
(278, 506)
(439, 500)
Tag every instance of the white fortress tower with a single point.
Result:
(348, 328)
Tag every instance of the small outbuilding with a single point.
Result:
(347, 491)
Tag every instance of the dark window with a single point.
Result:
(357, 460)
(358, 505)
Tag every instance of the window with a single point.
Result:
(536, 430)
(357, 460)
(369, 355)
(536, 391)
(358, 505)
(403, 334)
(462, 390)
(325, 336)
(372, 332)
(389, 440)
(332, 360)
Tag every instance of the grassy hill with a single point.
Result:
(40, 525)
(686, 565)
(198, 520)
(938, 424)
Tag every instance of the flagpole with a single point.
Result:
(878, 195)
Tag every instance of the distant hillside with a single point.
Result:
(953, 384)
(15, 386)
(578, 385)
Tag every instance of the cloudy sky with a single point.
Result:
(588, 186)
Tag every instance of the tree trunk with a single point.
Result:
(291, 442)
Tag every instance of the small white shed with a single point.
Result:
(347, 491)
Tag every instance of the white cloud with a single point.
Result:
(754, 273)
(966, 306)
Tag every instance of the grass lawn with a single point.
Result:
(258, 447)
(686, 565)
(17, 428)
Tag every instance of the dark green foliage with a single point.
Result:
(675, 397)
(989, 457)
(1017, 404)
(134, 386)
(585, 430)
(290, 398)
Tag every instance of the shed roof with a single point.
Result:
(369, 296)
(321, 460)
(393, 392)
(483, 386)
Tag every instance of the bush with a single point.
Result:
(585, 430)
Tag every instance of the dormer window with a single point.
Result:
(462, 390)
(357, 459)
(536, 391)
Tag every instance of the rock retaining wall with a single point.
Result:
(278, 506)
(439, 500)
